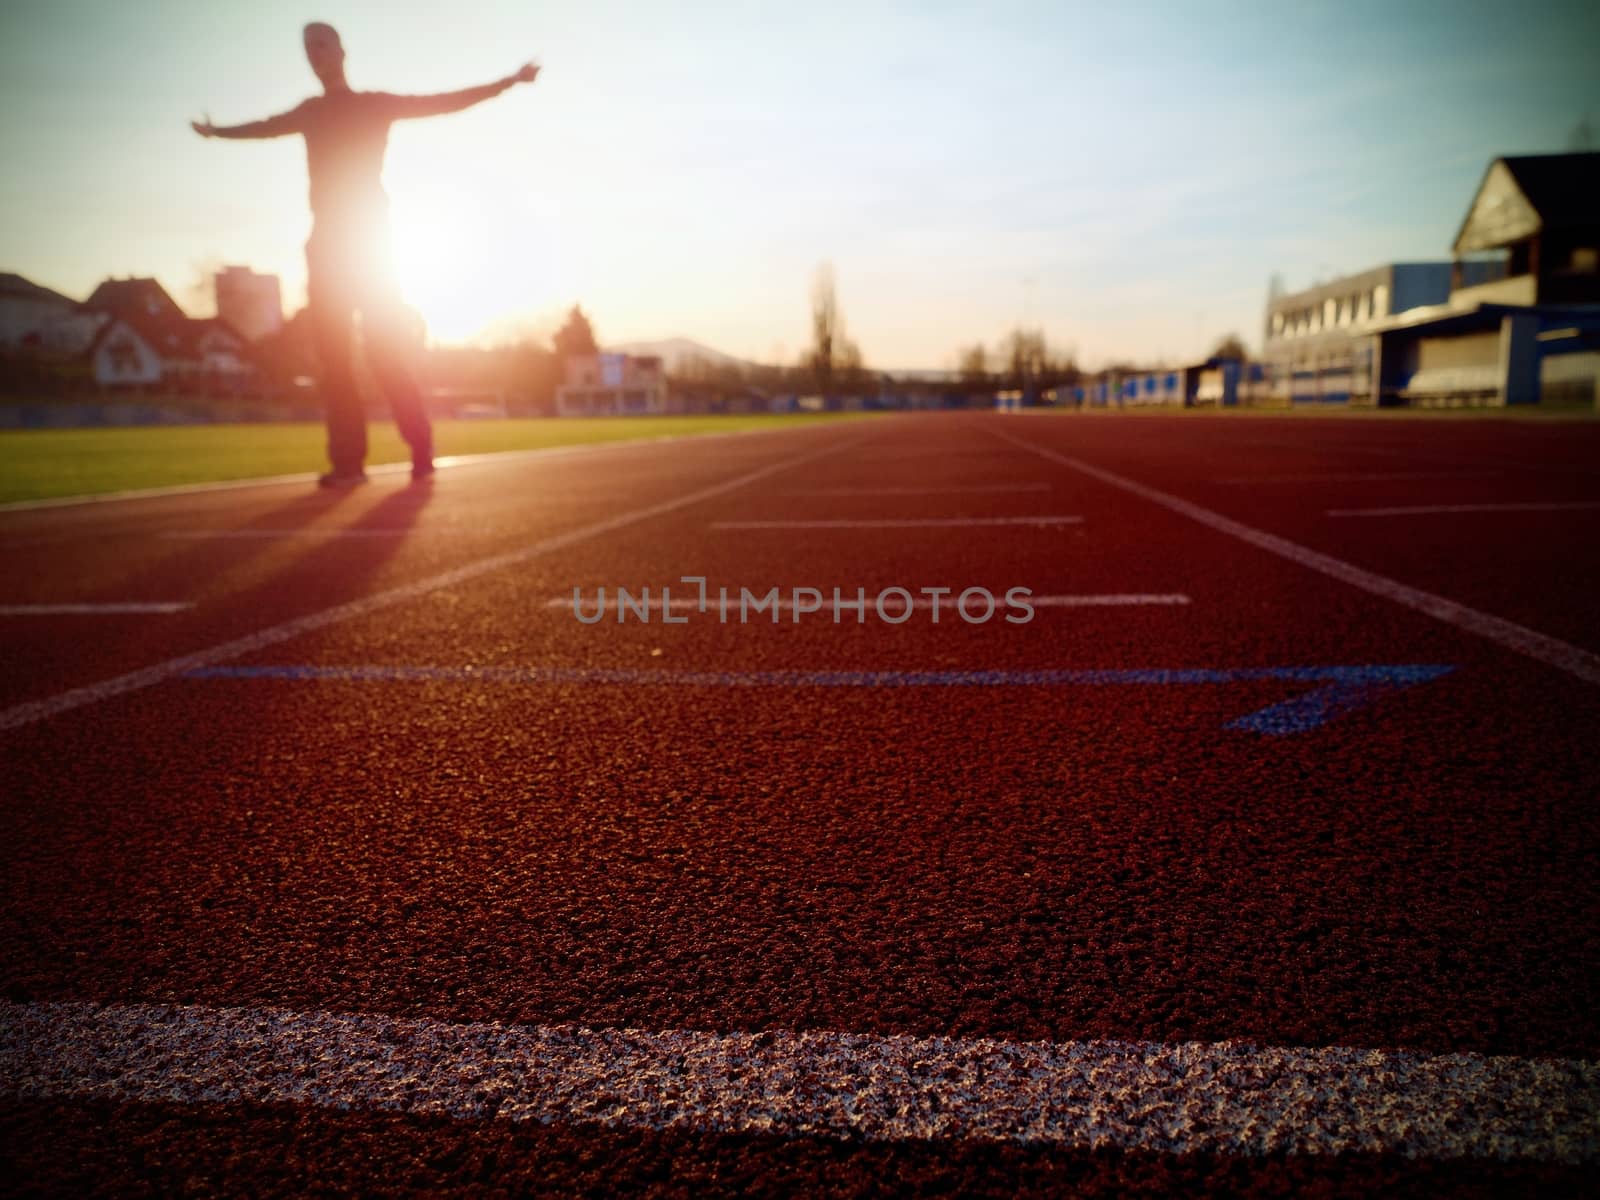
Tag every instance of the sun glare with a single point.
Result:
(470, 266)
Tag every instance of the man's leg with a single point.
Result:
(332, 317)
(390, 350)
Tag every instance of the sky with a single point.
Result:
(1126, 177)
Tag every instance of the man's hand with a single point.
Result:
(528, 73)
(204, 128)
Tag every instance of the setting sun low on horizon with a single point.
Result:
(478, 265)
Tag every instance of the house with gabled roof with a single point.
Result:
(41, 323)
(151, 340)
(1540, 213)
(121, 357)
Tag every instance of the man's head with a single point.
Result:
(325, 53)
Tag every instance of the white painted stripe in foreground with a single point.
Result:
(1108, 600)
(892, 523)
(38, 710)
(1424, 509)
(1562, 655)
(1182, 1098)
(89, 610)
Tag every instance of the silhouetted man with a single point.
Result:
(347, 258)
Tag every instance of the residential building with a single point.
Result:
(606, 385)
(1217, 381)
(152, 341)
(1530, 332)
(121, 357)
(42, 323)
(1318, 345)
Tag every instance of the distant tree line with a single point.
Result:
(1023, 361)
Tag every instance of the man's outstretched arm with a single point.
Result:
(449, 102)
(271, 127)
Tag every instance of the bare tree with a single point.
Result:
(850, 370)
(1231, 346)
(826, 326)
(833, 358)
(1026, 356)
(974, 367)
(1024, 360)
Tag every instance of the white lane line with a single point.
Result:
(1086, 600)
(1564, 656)
(205, 535)
(981, 489)
(1178, 1098)
(1417, 510)
(905, 523)
(89, 610)
(38, 710)
(1355, 477)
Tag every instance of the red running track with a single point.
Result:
(372, 770)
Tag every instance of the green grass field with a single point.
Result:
(50, 463)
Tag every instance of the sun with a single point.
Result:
(470, 263)
(439, 259)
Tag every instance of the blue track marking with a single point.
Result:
(1335, 691)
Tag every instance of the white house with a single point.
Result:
(612, 385)
(151, 340)
(36, 320)
(121, 357)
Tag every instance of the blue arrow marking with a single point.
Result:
(1336, 690)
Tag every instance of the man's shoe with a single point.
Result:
(341, 479)
(422, 472)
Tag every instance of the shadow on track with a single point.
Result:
(245, 569)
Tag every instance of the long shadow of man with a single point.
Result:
(347, 259)
(297, 551)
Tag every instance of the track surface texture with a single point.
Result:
(343, 857)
